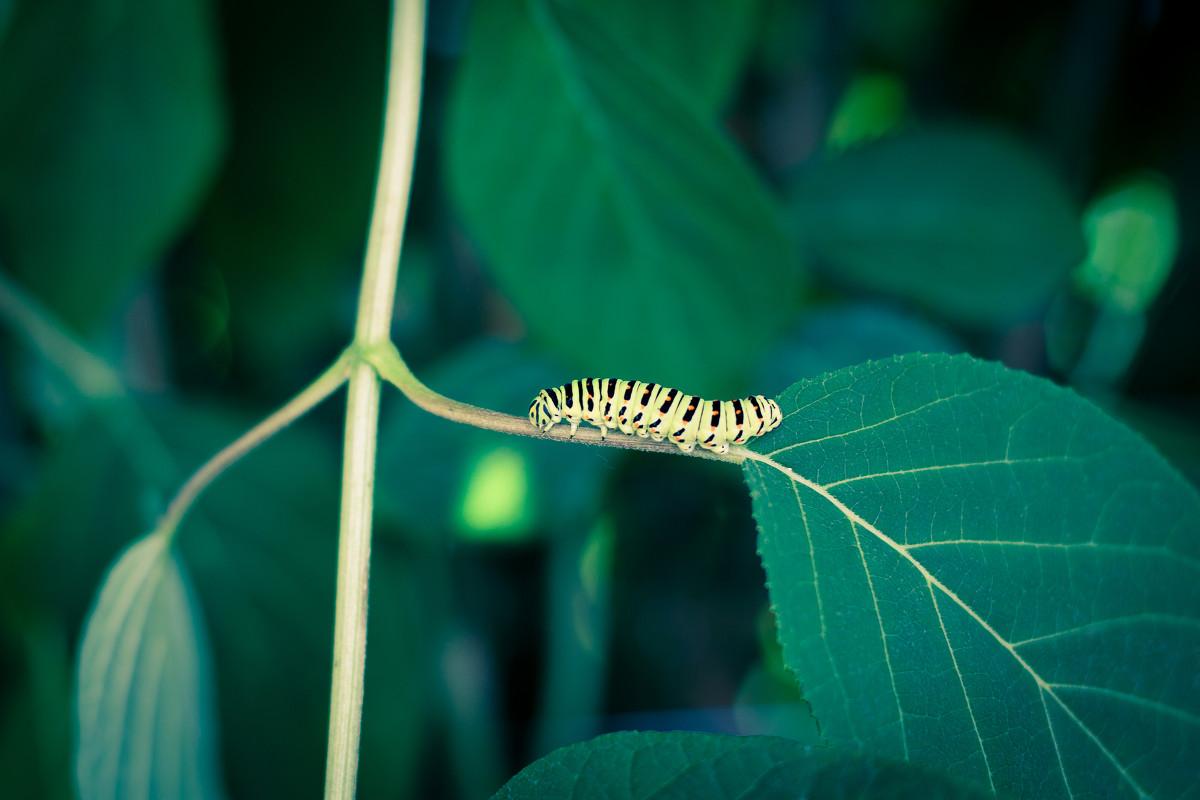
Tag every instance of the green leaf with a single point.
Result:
(873, 105)
(975, 569)
(701, 46)
(630, 766)
(1133, 237)
(962, 220)
(145, 692)
(609, 206)
(110, 128)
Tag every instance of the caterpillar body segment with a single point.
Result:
(656, 412)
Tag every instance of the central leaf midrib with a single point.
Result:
(577, 93)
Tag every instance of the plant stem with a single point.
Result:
(372, 329)
(298, 406)
(353, 569)
(392, 368)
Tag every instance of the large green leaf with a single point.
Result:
(963, 220)
(630, 766)
(110, 127)
(633, 237)
(144, 694)
(702, 46)
(975, 569)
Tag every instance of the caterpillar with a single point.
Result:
(655, 411)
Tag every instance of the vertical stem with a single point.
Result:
(390, 209)
(362, 406)
(354, 555)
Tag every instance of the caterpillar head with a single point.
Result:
(544, 411)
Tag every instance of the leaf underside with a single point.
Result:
(975, 569)
(144, 714)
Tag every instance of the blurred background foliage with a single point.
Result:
(727, 196)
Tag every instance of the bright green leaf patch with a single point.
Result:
(144, 695)
(591, 184)
(495, 501)
(1132, 232)
(873, 105)
(632, 766)
(975, 569)
(962, 220)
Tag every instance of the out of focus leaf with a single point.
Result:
(1132, 232)
(702, 46)
(975, 569)
(435, 476)
(962, 220)
(110, 127)
(588, 180)
(632, 766)
(496, 495)
(872, 105)
(841, 336)
(145, 696)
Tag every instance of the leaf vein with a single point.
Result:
(1062, 770)
(823, 491)
(854, 431)
(1149, 616)
(887, 658)
(1133, 699)
(1113, 546)
(962, 685)
(966, 465)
